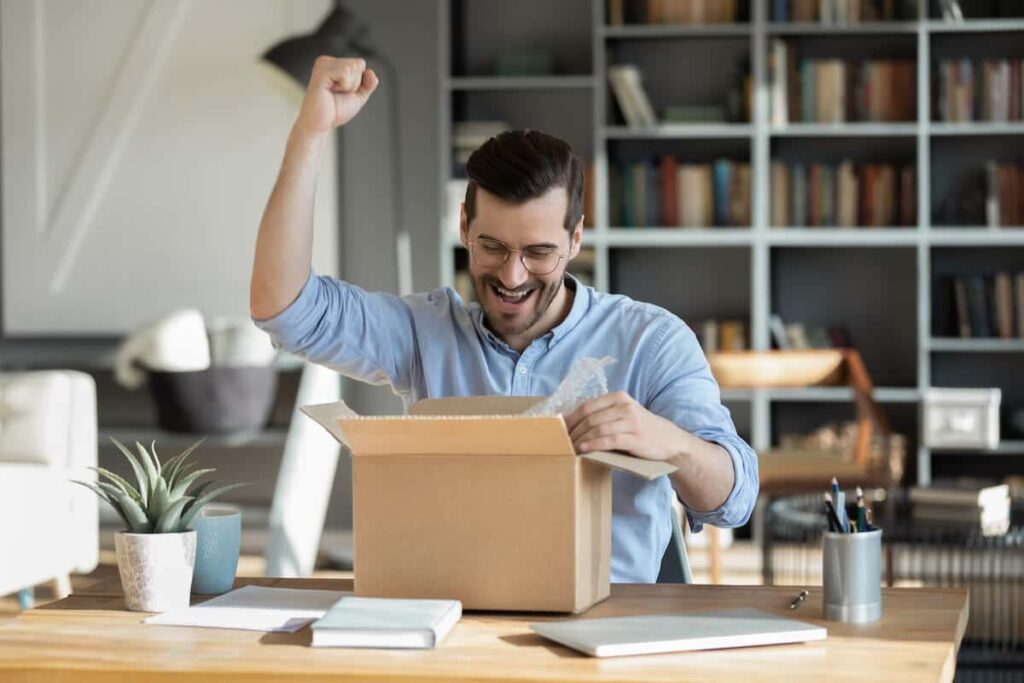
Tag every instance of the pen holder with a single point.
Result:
(852, 576)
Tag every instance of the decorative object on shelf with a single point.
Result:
(525, 64)
(962, 418)
(216, 381)
(991, 194)
(218, 540)
(156, 550)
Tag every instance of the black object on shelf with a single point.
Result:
(219, 400)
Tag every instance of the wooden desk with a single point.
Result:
(89, 637)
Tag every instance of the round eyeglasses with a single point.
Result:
(490, 253)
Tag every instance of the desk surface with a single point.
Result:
(90, 637)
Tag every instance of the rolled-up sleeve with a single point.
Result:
(685, 392)
(367, 336)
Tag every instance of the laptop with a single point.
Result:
(657, 633)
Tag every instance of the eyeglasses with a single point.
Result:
(539, 260)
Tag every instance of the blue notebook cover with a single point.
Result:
(386, 622)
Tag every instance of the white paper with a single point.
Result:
(255, 608)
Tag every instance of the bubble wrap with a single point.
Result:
(585, 381)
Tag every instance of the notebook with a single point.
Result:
(254, 608)
(386, 622)
(655, 633)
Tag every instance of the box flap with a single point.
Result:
(648, 469)
(327, 414)
(457, 435)
(475, 405)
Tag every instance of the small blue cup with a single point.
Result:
(218, 537)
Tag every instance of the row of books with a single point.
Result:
(670, 193)
(723, 335)
(688, 12)
(969, 90)
(626, 83)
(992, 195)
(986, 306)
(842, 11)
(847, 194)
(837, 90)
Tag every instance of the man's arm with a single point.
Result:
(338, 89)
(685, 424)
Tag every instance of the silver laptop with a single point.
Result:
(655, 633)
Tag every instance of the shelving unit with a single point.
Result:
(879, 282)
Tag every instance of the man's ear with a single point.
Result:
(463, 226)
(576, 240)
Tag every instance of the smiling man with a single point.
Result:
(522, 223)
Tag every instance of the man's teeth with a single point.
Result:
(510, 294)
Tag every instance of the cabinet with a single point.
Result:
(884, 283)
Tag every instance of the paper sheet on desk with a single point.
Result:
(255, 608)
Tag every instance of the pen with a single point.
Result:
(862, 522)
(830, 512)
(801, 596)
(867, 519)
(839, 501)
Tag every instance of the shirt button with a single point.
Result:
(522, 371)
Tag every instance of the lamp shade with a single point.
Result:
(339, 34)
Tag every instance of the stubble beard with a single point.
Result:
(500, 322)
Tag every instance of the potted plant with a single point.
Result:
(156, 551)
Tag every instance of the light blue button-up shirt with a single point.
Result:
(432, 345)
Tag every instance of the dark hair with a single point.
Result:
(519, 165)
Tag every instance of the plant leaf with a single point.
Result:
(140, 472)
(198, 504)
(125, 486)
(159, 502)
(137, 521)
(152, 471)
(181, 488)
(102, 494)
(168, 522)
(175, 464)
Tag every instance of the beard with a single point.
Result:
(513, 323)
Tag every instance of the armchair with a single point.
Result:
(49, 527)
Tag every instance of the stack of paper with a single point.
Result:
(255, 608)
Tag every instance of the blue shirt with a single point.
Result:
(432, 345)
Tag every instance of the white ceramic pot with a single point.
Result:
(156, 569)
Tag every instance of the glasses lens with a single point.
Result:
(541, 264)
(489, 253)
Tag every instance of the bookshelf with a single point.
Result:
(884, 283)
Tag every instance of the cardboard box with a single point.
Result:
(466, 498)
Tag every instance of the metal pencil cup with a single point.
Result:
(852, 576)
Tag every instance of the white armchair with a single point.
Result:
(49, 527)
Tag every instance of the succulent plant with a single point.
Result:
(162, 503)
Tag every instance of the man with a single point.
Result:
(522, 224)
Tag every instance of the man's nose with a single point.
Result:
(513, 272)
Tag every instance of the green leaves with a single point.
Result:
(161, 503)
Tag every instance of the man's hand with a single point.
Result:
(616, 422)
(338, 89)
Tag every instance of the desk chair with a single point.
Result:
(788, 472)
(675, 563)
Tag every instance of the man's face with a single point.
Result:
(517, 303)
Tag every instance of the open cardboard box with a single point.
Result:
(467, 498)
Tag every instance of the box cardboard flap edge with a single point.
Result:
(429, 432)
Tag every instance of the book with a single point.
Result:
(386, 623)
(254, 608)
(654, 633)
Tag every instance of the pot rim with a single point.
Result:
(122, 532)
